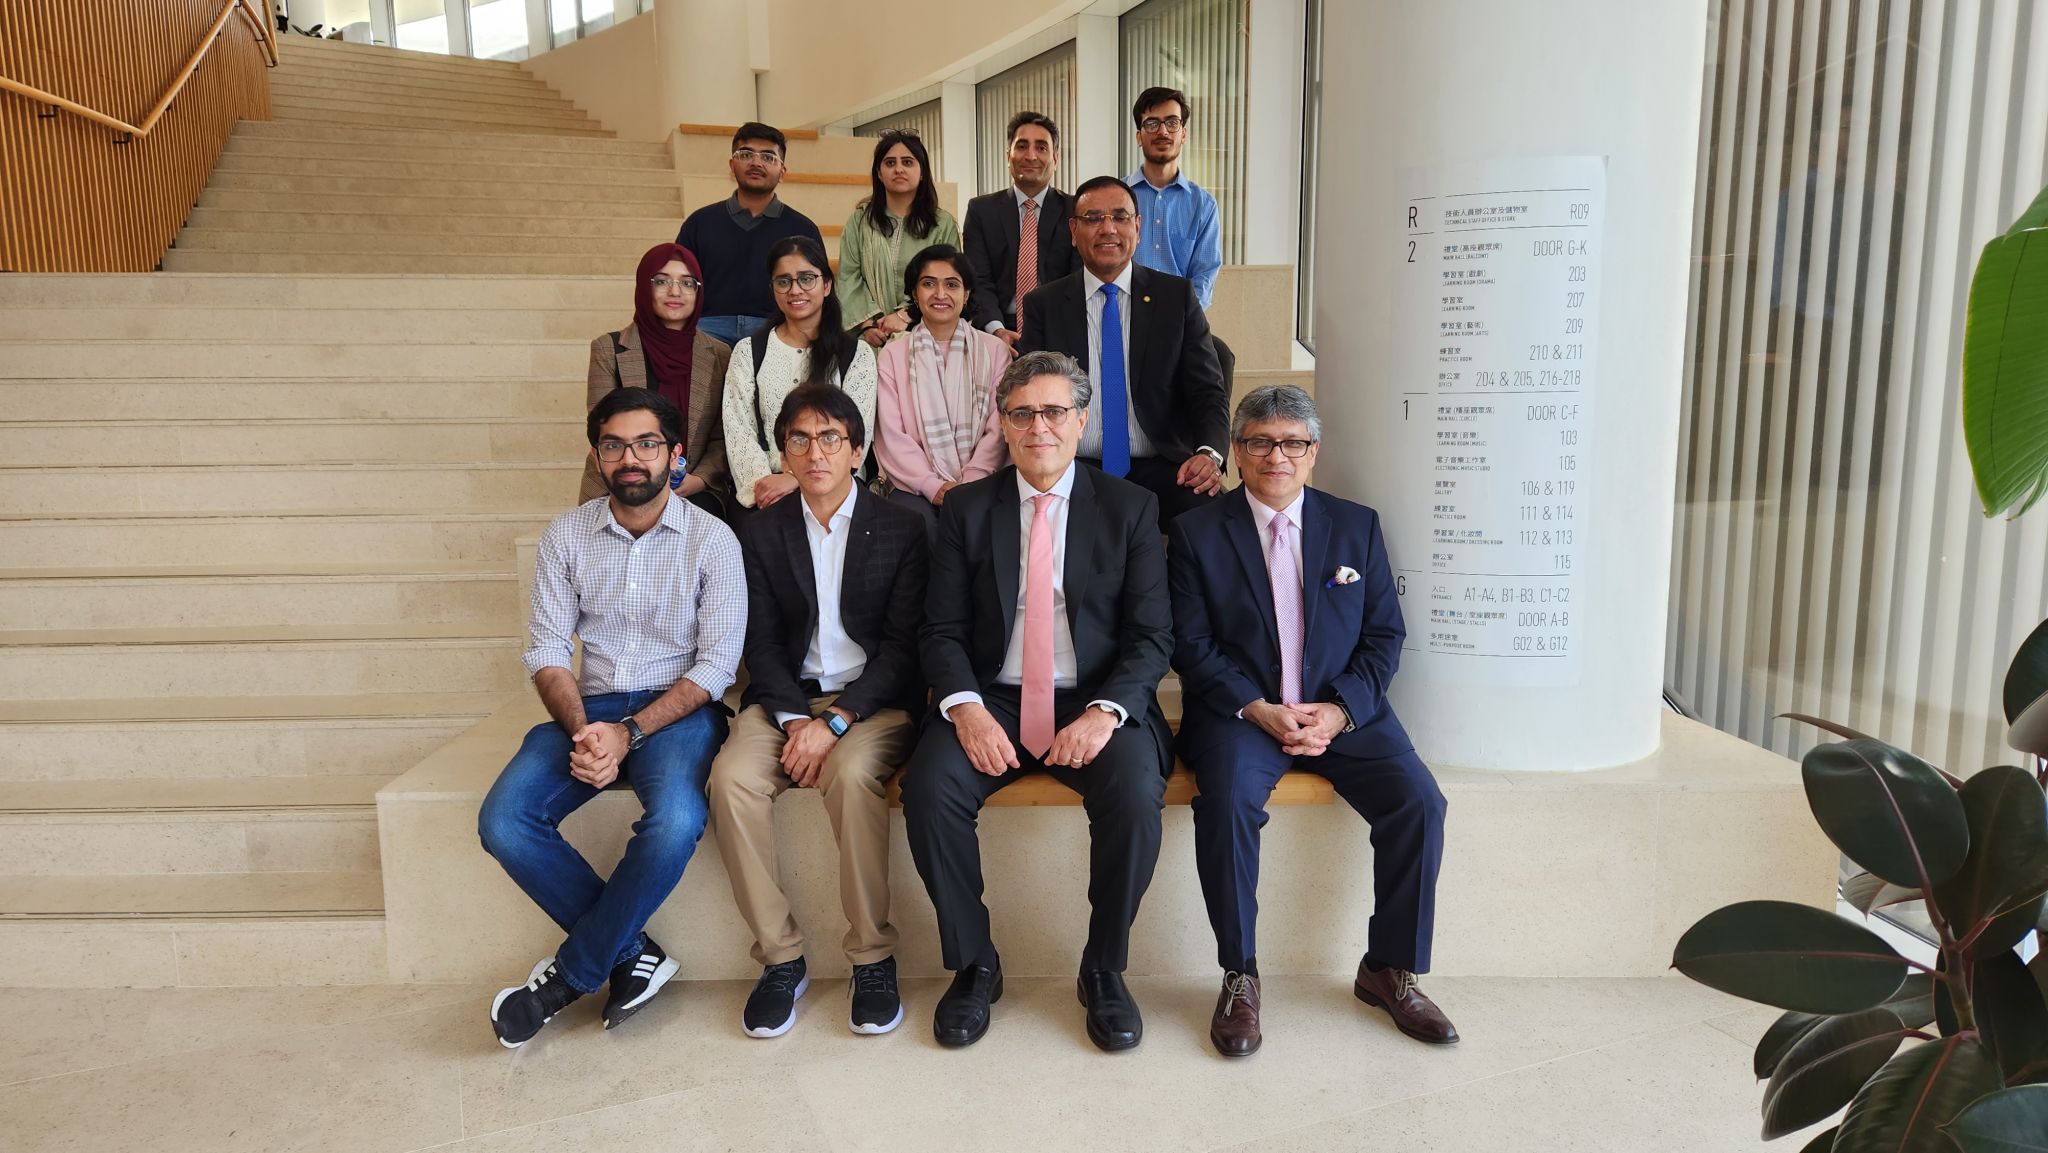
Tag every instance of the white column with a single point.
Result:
(1273, 142)
(1420, 85)
(1091, 147)
(383, 29)
(458, 26)
(956, 116)
(707, 75)
(540, 35)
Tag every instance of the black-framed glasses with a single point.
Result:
(799, 443)
(749, 155)
(1055, 416)
(1169, 123)
(664, 285)
(1262, 446)
(1095, 219)
(646, 448)
(784, 282)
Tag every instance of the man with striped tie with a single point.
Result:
(1287, 630)
(1017, 238)
(1161, 412)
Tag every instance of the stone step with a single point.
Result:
(53, 664)
(267, 399)
(323, 76)
(291, 49)
(698, 154)
(90, 291)
(566, 359)
(478, 150)
(378, 325)
(458, 168)
(584, 224)
(458, 119)
(345, 894)
(368, 536)
(344, 241)
(170, 596)
(414, 194)
(158, 738)
(398, 262)
(312, 132)
(136, 841)
(288, 441)
(248, 489)
(407, 92)
(152, 938)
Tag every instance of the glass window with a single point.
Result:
(497, 29)
(1198, 47)
(923, 120)
(421, 25)
(1829, 555)
(1044, 83)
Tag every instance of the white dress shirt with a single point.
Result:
(1017, 298)
(1091, 437)
(1065, 674)
(834, 660)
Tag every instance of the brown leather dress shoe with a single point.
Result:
(1414, 1014)
(1234, 1027)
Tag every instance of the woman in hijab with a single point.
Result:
(935, 400)
(662, 350)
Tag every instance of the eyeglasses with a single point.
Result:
(1055, 416)
(1264, 445)
(800, 280)
(1155, 123)
(1095, 219)
(646, 448)
(799, 443)
(749, 155)
(685, 286)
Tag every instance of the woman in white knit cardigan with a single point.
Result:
(807, 345)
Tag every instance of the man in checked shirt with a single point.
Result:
(655, 588)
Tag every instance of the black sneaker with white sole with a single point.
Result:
(519, 1012)
(877, 1007)
(635, 982)
(771, 1008)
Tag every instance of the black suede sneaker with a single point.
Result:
(635, 982)
(877, 1008)
(771, 1009)
(519, 1012)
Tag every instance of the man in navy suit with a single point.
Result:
(1304, 689)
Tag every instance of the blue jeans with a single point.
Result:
(521, 826)
(731, 329)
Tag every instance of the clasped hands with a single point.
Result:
(989, 749)
(1303, 730)
(599, 747)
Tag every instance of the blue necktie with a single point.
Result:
(1109, 390)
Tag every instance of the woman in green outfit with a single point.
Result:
(900, 217)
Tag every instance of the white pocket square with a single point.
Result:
(1345, 575)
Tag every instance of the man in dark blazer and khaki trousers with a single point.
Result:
(1287, 631)
(1161, 412)
(835, 590)
(1022, 686)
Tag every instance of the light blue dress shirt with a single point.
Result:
(1181, 232)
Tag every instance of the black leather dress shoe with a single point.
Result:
(962, 1015)
(1113, 1020)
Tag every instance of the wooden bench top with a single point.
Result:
(1295, 788)
(726, 130)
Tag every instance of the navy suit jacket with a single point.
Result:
(1226, 641)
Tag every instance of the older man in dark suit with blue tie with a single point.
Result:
(1304, 688)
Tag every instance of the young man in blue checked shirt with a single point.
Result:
(656, 590)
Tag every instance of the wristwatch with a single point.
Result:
(634, 737)
(1212, 454)
(836, 723)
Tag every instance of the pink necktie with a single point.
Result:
(1034, 722)
(1286, 578)
(1027, 256)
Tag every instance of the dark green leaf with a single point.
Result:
(2036, 215)
(2007, 860)
(2008, 1121)
(2027, 677)
(1792, 956)
(2010, 1011)
(1822, 1070)
(1887, 810)
(1822, 1143)
(1867, 891)
(1778, 1038)
(1903, 1107)
(1827, 726)
(1913, 1004)
(2005, 371)
(2006, 931)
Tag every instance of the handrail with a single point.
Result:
(192, 65)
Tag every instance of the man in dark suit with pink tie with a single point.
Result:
(1303, 688)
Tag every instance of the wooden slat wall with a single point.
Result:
(73, 200)
(1202, 48)
(1829, 557)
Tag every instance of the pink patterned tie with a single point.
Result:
(1027, 257)
(1286, 577)
(1034, 722)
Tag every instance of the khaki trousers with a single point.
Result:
(746, 778)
